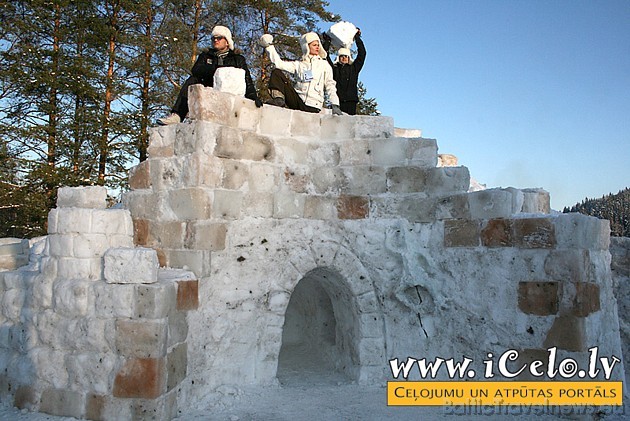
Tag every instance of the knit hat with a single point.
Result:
(223, 32)
(344, 52)
(306, 39)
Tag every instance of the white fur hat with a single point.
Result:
(344, 52)
(223, 32)
(306, 39)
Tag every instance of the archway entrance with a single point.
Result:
(320, 334)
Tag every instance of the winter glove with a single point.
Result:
(336, 110)
(258, 102)
(326, 41)
(266, 40)
(358, 34)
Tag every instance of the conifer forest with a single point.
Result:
(82, 81)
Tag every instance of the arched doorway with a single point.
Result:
(321, 333)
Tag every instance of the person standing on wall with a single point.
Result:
(346, 73)
(314, 77)
(220, 55)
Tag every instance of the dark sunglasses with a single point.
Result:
(217, 38)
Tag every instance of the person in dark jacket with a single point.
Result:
(346, 74)
(221, 55)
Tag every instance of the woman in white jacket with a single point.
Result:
(314, 77)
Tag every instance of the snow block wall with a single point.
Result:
(335, 239)
(309, 246)
(91, 327)
(13, 253)
(620, 265)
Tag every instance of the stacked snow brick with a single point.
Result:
(13, 253)
(620, 265)
(255, 200)
(93, 329)
(233, 161)
(568, 282)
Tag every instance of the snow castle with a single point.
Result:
(260, 244)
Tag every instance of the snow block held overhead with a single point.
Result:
(342, 34)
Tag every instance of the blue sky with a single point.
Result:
(527, 93)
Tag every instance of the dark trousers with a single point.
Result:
(280, 82)
(349, 107)
(181, 103)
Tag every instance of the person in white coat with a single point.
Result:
(314, 77)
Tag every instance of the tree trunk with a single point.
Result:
(109, 92)
(143, 140)
(53, 116)
(79, 110)
(195, 32)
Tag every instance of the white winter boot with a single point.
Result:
(171, 119)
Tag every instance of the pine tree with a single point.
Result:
(23, 201)
(142, 52)
(35, 82)
(366, 106)
(52, 101)
(83, 96)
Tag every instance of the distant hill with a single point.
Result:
(614, 207)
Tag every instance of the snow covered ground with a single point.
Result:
(313, 394)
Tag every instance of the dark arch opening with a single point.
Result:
(320, 333)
